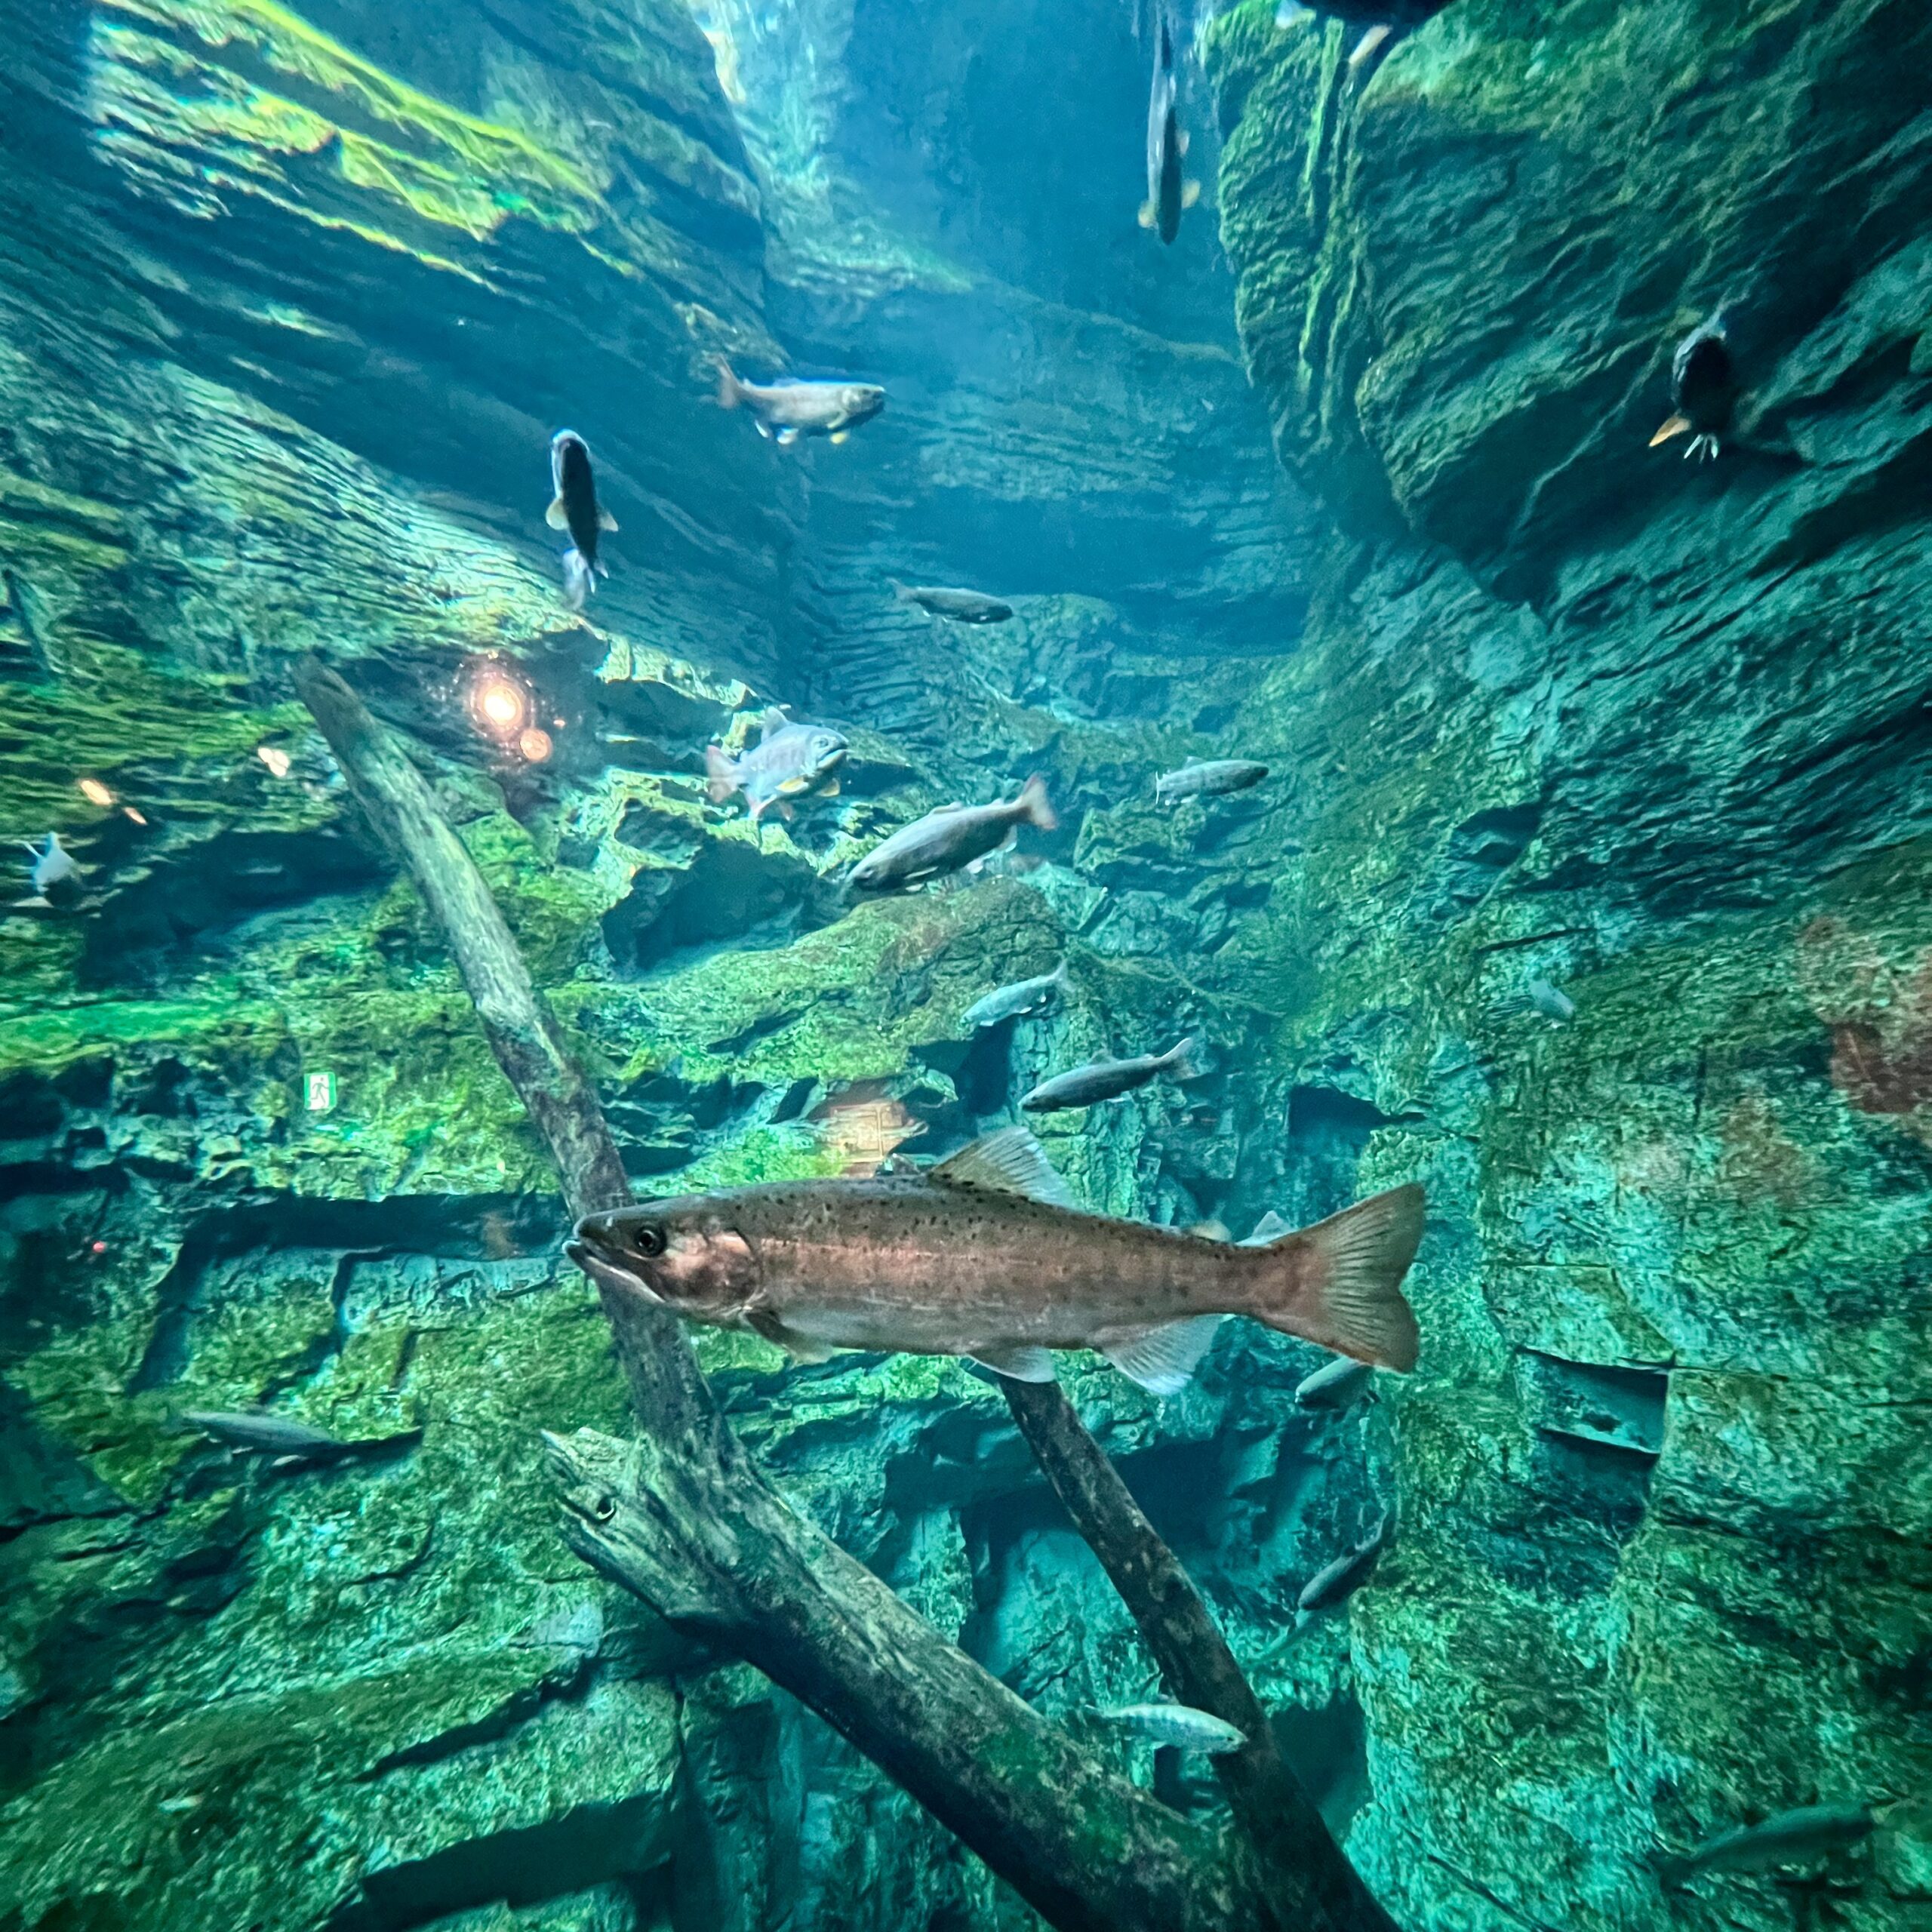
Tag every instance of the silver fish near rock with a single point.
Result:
(949, 839)
(986, 1256)
(54, 869)
(1180, 1725)
(1167, 194)
(1550, 1000)
(1200, 778)
(1023, 996)
(791, 409)
(1801, 1837)
(963, 607)
(1338, 1385)
(788, 760)
(1108, 1079)
(261, 1432)
(1336, 1582)
(574, 507)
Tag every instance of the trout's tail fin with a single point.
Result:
(720, 772)
(1178, 1059)
(730, 391)
(1339, 1283)
(579, 580)
(1034, 809)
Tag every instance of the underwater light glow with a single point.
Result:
(499, 705)
(95, 792)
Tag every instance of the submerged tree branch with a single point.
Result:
(1309, 1878)
(685, 1520)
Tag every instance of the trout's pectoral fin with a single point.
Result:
(1011, 1162)
(802, 1348)
(555, 517)
(830, 788)
(764, 428)
(1149, 214)
(1673, 426)
(605, 520)
(1021, 1363)
(1190, 193)
(840, 435)
(787, 437)
(1163, 1360)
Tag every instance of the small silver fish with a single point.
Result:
(963, 607)
(788, 760)
(1340, 1385)
(53, 869)
(1550, 1000)
(1108, 1079)
(949, 839)
(1201, 778)
(791, 409)
(259, 1432)
(1023, 996)
(1180, 1725)
(574, 507)
(1801, 1837)
(1336, 1582)
(1167, 194)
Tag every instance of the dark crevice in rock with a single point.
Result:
(585, 1846)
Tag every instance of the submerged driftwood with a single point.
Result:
(684, 1519)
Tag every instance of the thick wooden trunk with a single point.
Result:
(684, 1519)
(1310, 1882)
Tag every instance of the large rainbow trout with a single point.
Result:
(986, 1256)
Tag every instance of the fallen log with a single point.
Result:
(1309, 1880)
(684, 1519)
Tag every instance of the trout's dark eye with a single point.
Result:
(650, 1240)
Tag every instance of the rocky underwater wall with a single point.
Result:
(293, 301)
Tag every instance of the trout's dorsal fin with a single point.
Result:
(1011, 1162)
(772, 720)
(1270, 1227)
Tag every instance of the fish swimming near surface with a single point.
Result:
(1108, 1079)
(1703, 390)
(1180, 1725)
(1550, 1000)
(949, 839)
(258, 1431)
(1802, 1837)
(1201, 778)
(788, 761)
(963, 607)
(55, 870)
(986, 1255)
(574, 507)
(1167, 194)
(1023, 996)
(1336, 1582)
(790, 409)
(1337, 1387)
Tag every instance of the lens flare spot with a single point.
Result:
(534, 744)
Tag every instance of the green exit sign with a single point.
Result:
(321, 1093)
